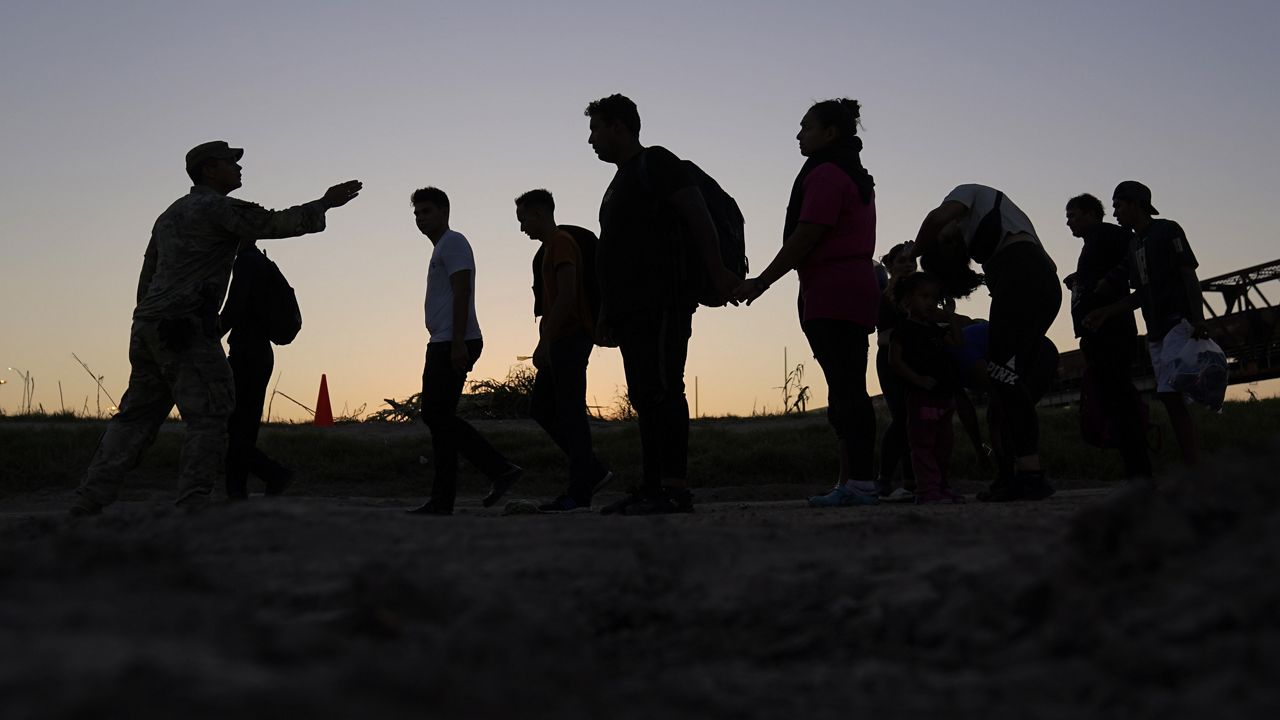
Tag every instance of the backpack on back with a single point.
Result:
(278, 305)
(586, 241)
(730, 226)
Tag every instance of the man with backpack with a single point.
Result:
(659, 246)
(1109, 348)
(174, 351)
(566, 297)
(261, 309)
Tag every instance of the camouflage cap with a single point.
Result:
(214, 149)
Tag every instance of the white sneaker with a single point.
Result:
(899, 495)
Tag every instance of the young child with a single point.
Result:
(918, 354)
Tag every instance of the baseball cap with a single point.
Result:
(218, 149)
(1136, 192)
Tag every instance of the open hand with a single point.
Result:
(342, 193)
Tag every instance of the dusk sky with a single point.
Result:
(1043, 100)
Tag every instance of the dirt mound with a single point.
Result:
(1144, 604)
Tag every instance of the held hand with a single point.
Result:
(460, 357)
(726, 284)
(342, 193)
(927, 383)
(748, 290)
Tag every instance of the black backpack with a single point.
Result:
(587, 242)
(277, 305)
(730, 229)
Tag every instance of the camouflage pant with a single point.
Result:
(190, 371)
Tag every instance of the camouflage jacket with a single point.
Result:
(193, 246)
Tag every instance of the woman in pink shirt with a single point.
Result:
(829, 238)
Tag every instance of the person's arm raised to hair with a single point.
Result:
(250, 221)
(692, 209)
(934, 222)
(795, 249)
(460, 282)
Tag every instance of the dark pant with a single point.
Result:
(251, 364)
(559, 405)
(450, 435)
(1109, 356)
(893, 446)
(840, 347)
(1025, 298)
(654, 346)
(931, 435)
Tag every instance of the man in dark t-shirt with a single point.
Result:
(1108, 350)
(1161, 269)
(652, 218)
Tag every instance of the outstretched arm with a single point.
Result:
(794, 250)
(249, 221)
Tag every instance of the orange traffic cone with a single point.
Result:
(324, 412)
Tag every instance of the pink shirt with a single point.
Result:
(838, 279)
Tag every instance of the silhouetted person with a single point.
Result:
(452, 350)
(919, 353)
(245, 316)
(1108, 350)
(1161, 269)
(829, 237)
(650, 212)
(174, 351)
(565, 341)
(894, 453)
(980, 223)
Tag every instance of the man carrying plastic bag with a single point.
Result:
(1161, 269)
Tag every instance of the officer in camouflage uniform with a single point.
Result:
(174, 346)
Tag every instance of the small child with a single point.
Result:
(918, 354)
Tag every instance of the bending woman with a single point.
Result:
(828, 238)
(980, 223)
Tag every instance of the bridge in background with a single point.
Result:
(1241, 319)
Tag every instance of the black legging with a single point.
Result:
(1025, 298)
(840, 347)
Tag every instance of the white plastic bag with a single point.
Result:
(1200, 372)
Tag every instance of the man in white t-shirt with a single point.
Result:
(979, 223)
(452, 350)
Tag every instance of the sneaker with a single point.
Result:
(502, 484)
(656, 503)
(899, 495)
(564, 503)
(84, 508)
(618, 507)
(680, 497)
(941, 496)
(843, 497)
(1001, 490)
(604, 480)
(430, 508)
(1034, 486)
(277, 485)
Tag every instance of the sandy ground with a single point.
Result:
(1092, 604)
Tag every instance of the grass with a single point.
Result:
(48, 453)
